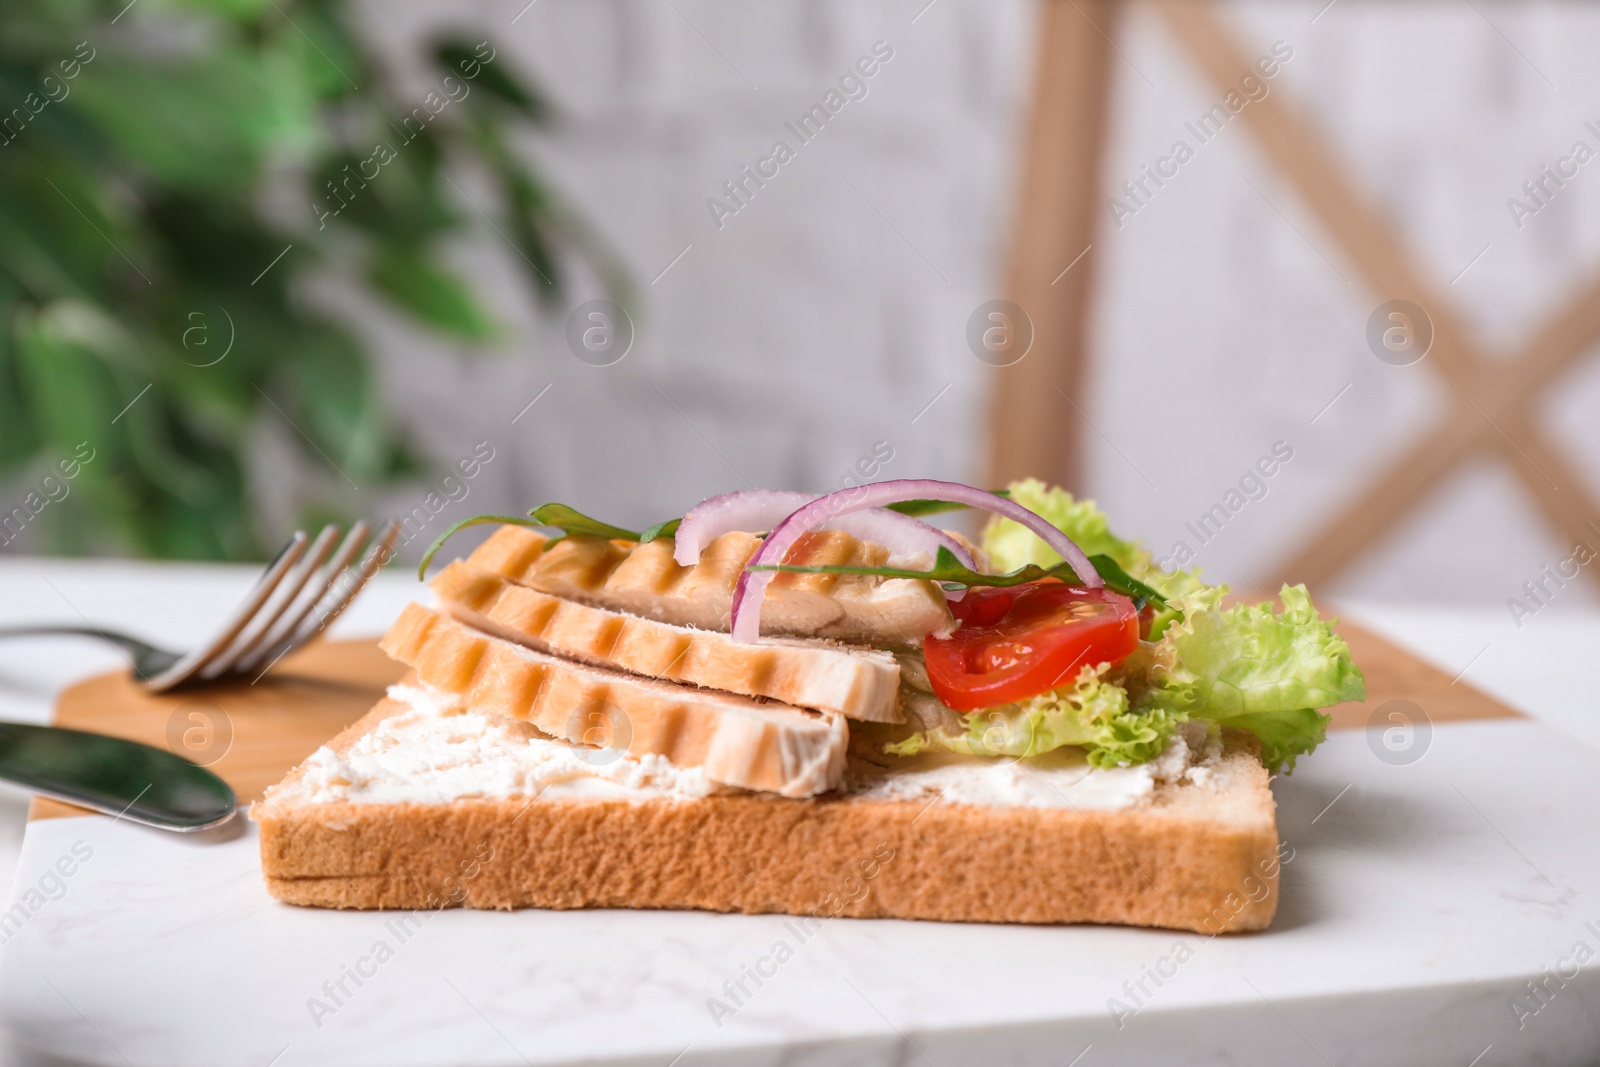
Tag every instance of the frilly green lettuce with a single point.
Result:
(1249, 666)
(1092, 713)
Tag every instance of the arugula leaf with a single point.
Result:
(1120, 581)
(947, 568)
(660, 529)
(918, 508)
(572, 521)
(475, 520)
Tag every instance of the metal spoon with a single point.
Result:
(123, 778)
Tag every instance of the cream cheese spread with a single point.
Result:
(1062, 778)
(438, 750)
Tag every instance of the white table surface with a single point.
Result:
(625, 983)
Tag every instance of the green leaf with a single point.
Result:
(465, 58)
(238, 9)
(661, 529)
(19, 440)
(142, 194)
(918, 508)
(209, 123)
(1092, 713)
(1255, 668)
(947, 568)
(72, 393)
(535, 223)
(570, 521)
(429, 292)
(323, 55)
(475, 520)
(1120, 580)
(391, 189)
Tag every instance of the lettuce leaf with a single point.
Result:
(1011, 545)
(1251, 667)
(1092, 713)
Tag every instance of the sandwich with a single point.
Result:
(822, 706)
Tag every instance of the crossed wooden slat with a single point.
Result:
(1492, 404)
(1058, 212)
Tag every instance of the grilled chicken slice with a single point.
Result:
(857, 683)
(737, 741)
(643, 580)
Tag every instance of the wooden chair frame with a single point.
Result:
(1035, 416)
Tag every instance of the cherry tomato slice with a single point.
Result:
(1016, 642)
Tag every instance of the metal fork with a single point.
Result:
(294, 600)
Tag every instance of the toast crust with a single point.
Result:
(1194, 858)
(857, 683)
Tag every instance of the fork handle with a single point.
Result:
(132, 644)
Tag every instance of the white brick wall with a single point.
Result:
(1231, 322)
(783, 345)
(808, 327)
(824, 317)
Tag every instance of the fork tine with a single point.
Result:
(288, 590)
(380, 553)
(313, 595)
(287, 556)
(338, 599)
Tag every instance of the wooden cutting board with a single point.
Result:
(253, 734)
(249, 734)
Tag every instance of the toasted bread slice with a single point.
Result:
(644, 580)
(857, 683)
(738, 741)
(1192, 855)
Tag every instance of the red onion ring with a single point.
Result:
(752, 585)
(756, 510)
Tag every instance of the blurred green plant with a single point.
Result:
(140, 148)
